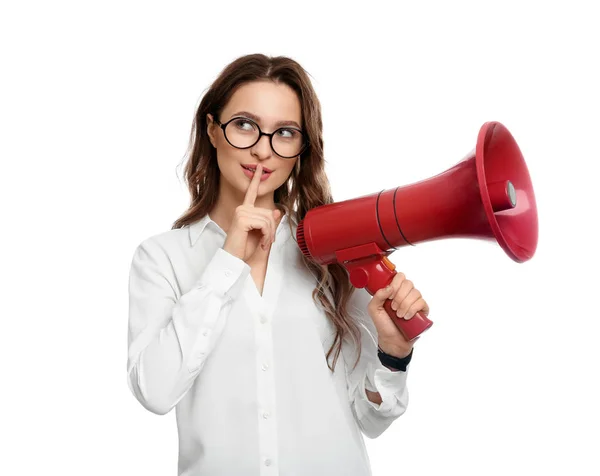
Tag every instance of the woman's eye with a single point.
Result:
(287, 133)
(244, 124)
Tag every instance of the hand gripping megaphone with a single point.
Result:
(488, 196)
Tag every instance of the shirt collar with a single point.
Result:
(195, 229)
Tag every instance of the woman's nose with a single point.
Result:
(263, 147)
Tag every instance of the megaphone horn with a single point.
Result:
(488, 195)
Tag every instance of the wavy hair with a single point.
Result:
(307, 186)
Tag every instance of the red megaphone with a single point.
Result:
(488, 195)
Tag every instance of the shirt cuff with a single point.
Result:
(225, 273)
(389, 382)
(391, 386)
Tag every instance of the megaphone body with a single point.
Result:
(488, 195)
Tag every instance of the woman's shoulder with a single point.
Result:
(166, 241)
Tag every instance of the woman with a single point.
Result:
(270, 360)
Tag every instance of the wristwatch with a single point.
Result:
(394, 362)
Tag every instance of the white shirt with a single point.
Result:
(247, 372)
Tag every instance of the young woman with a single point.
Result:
(271, 361)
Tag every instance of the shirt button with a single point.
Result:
(263, 320)
(265, 366)
(227, 273)
(268, 462)
(266, 415)
(205, 333)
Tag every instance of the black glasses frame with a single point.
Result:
(260, 134)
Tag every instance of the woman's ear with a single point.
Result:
(210, 130)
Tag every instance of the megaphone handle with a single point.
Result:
(411, 328)
(375, 272)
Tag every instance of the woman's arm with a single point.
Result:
(378, 395)
(169, 338)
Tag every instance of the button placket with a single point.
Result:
(262, 309)
(266, 410)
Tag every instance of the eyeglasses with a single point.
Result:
(243, 133)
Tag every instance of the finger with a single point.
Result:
(267, 231)
(397, 281)
(380, 297)
(413, 296)
(269, 216)
(405, 287)
(252, 191)
(255, 220)
(418, 305)
(272, 215)
(276, 215)
(273, 226)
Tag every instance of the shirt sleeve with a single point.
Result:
(170, 336)
(372, 418)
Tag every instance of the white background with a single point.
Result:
(97, 100)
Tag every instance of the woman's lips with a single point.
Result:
(250, 173)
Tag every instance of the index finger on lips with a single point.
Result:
(252, 191)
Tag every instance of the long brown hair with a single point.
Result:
(306, 188)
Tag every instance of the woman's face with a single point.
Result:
(271, 106)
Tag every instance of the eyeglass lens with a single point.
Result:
(243, 133)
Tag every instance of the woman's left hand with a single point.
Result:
(406, 301)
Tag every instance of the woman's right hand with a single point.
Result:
(246, 218)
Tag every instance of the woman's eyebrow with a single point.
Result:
(254, 117)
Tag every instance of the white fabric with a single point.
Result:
(247, 373)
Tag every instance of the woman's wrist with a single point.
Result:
(400, 352)
(394, 363)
